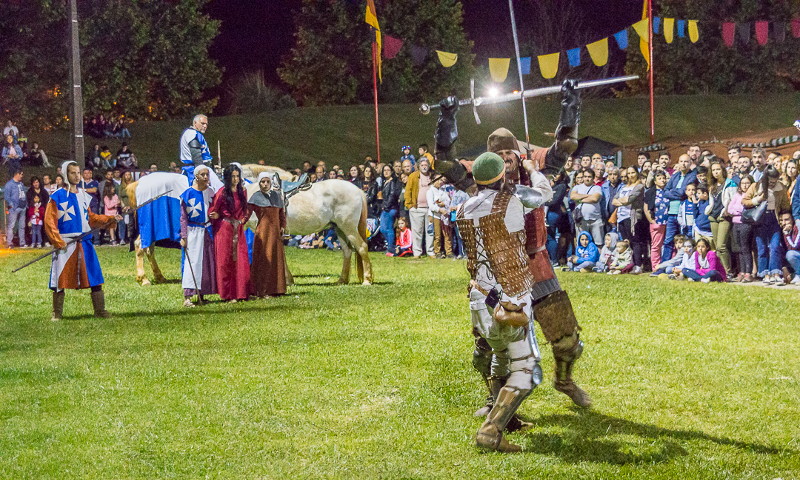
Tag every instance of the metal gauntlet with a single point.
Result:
(567, 130)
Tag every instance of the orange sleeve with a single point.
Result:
(101, 221)
(51, 225)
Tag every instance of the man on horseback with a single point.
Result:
(194, 150)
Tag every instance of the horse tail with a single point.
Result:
(131, 190)
(362, 231)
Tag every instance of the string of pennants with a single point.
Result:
(598, 51)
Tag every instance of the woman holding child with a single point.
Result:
(633, 226)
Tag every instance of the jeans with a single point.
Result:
(673, 227)
(596, 228)
(714, 275)
(420, 222)
(122, 228)
(16, 218)
(36, 235)
(110, 164)
(582, 265)
(458, 242)
(793, 258)
(387, 228)
(769, 245)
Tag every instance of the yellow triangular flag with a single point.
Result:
(669, 25)
(498, 68)
(548, 64)
(447, 59)
(599, 52)
(643, 28)
(694, 34)
(370, 16)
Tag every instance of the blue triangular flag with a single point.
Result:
(681, 28)
(525, 65)
(622, 39)
(657, 25)
(574, 57)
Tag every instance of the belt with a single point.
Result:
(235, 224)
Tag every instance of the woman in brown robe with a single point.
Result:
(268, 269)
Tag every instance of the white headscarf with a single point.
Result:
(199, 169)
(264, 175)
(64, 167)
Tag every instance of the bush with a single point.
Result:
(250, 94)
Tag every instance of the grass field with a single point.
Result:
(689, 380)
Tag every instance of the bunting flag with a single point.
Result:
(657, 25)
(728, 33)
(621, 38)
(548, 64)
(525, 65)
(743, 31)
(796, 27)
(780, 31)
(681, 24)
(391, 46)
(694, 34)
(371, 17)
(447, 59)
(762, 32)
(574, 57)
(418, 55)
(498, 68)
(599, 52)
(669, 23)
(642, 28)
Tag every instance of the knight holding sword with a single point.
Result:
(69, 222)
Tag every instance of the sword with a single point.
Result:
(426, 108)
(80, 237)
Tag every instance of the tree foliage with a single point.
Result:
(331, 61)
(249, 93)
(709, 66)
(144, 58)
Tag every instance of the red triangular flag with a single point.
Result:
(391, 46)
(728, 33)
(796, 27)
(762, 32)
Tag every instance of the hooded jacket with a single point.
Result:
(607, 252)
(589, 253)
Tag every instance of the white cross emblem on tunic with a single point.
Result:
(65, 212)
(195, 207)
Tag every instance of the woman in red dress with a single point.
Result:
(228, 213)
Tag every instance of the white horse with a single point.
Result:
(335, 203)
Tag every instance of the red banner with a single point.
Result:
(762, 32)
(728, 33)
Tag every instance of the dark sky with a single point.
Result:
(257, 33)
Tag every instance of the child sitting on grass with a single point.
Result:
(404, 239)
(586, 255)
(687, 260)
(707, 266)
(607, 253)
(623, 259)
(668, 266)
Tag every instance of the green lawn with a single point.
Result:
(689, 380)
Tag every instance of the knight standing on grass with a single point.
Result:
(193, 148)
(75, 264)
(199, 275)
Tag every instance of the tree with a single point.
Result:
(709, 66)
(331, 61)
(138, 57)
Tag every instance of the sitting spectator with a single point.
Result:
(586, 255)
(36, 156)
(36, 220)
(93, 158)
(106, 159)
(623, 259)
(687, 260)
(12, 130)
(607, 253)
(12, 155)
(126, 160)
(708, 267)
(404, 239)
(668, 266)
(792, 239)
(122, 129)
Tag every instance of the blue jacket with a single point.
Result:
(14, 194)
(701, 220)
(672, 191)
(796, 202)
(589, 253)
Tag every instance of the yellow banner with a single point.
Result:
(642, 28)
(599, 52)
(694, 34)
(548, 64)
(371, 17)
(498, 68)
(669, 26)
(447, 59)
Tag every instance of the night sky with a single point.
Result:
(257, 33)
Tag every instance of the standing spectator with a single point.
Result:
(559, 231)
(742, 232)
(792, 239)
(610, 188)
(355, 177)
(407, 155)
(12, 130)
(588, 197)
(91, 187)
(111, 206)
(720, 195)
(390, 204)
(125, 206)
(702, 222)
(458, 198)
(37, 188)
(641, 159)
(48, 185)
(675, 191)
(416, 201)
(734, 151)
(371, 188)
(759, 157)
(423, 153)
(12, 155)
(665, 164)
(439, 209)
(630, 216)
(656, 210)
(36, 220)
(16, 206)
(768, 231)
(708, 267)
(790, 176)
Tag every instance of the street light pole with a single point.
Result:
(76, 94)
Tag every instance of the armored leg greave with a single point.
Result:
(490, 435)
(482, 362)
(566, 352)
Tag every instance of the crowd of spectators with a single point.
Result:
(16, 151)
(101, 127)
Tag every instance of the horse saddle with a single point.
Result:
(291, 188)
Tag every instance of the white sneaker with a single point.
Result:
(779, 281)
(705, 280)
(796, 280)
(637, 270)
(689, 279)
(767, 280)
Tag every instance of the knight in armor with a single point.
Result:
(75, 265)
(199, 275)
(193, 148)
(492, 225)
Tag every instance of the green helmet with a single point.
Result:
(488, 168)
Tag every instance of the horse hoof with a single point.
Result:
(342, 281)
(366, 283)
(144, 282)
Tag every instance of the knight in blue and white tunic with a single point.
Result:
(198, 276)
(194, 150)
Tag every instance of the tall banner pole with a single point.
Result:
(76, 105)
(652, 68)
(375, 97)
(519, 70)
